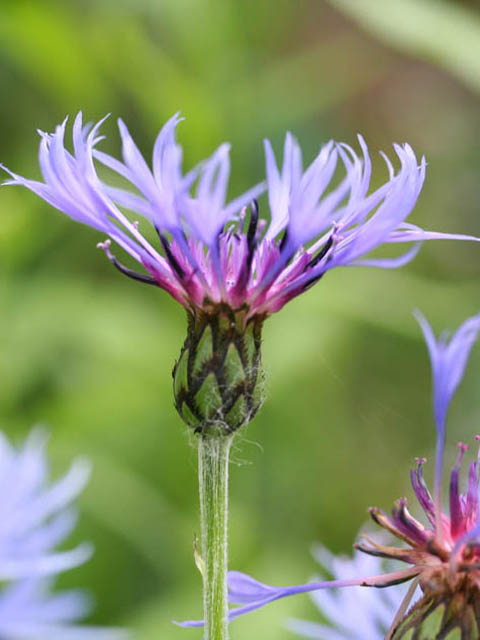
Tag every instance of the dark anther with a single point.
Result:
(252, 227)
(321, 254)
(251, 232)
(371, 551)
(218, 237)
(170, 257)
(312, 281)
(405, 518)
(132, 274)
(283, 241)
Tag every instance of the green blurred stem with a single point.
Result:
(213, 459)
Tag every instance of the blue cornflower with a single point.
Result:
(229, 268)
(444, 554)
(35, 517)
(211, 253)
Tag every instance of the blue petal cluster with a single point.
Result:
(35, 517)
(211, 251)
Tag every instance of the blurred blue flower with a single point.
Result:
(215, 253)
(35, 517)
(370, 611)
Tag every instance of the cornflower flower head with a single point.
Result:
(227, 267)
(352, 614)
(446, 551)
(443, 554)
(35, 517)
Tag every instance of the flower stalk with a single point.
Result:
(213, 461)
(218, 385)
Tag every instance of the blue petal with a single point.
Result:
(448, 360)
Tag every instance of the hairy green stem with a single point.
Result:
(213, 459)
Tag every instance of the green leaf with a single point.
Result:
(47, 45)
(204, 350)
(442, 32)
(208, 398)
(234, 372)
(431, 624)
(181, 371)
(456, 634)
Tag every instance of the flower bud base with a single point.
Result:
(219, 379)
(447, 616)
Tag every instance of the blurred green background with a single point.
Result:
(89, 353)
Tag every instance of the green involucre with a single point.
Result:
(218, 380)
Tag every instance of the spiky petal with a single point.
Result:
(448, 359)
(211, 251)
